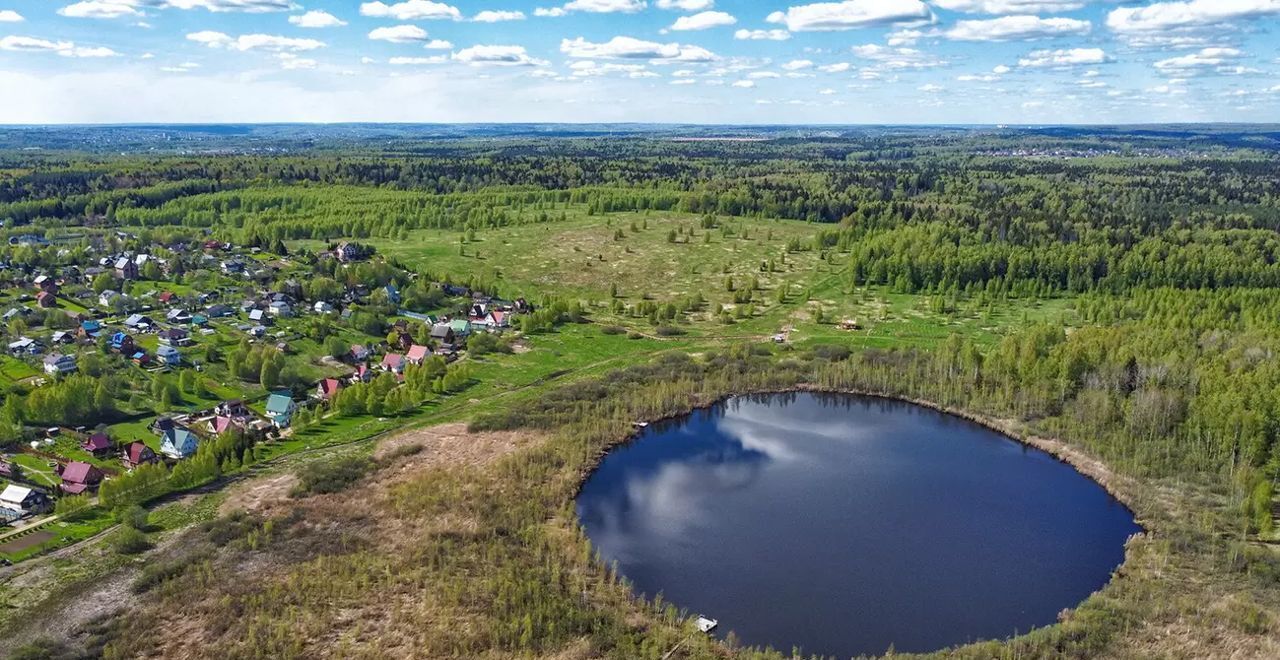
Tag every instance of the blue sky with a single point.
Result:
(702, 61)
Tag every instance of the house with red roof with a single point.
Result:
(137, 453)
(393, 362)
(98, 444)
(327, 388)
(417, 353)
(79, 477)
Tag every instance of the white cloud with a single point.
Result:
(317, 19)
(497, 55)
(1011, 6)
(686, 5)
(184, 67)
(593, 7)
(1163, 16)
(904, 37)
(438, 44)
(684, 81)
(411, 10)
(1016, 28)
(1001, 69)
(493, 16)
(850, 14)
(838, 67)
(1205, 58)
(703, 21)
(931, 88)
(896, 58)
(744, 84)
(827, 92)
(292, 62)
(1063, 58)
(247, 42)
(797, 65)
(219, 6)
(63, 48)
(100, 9)
(762, 35)
(585, 68)
(399, 34)
(10, 16)
(632, 48)
(409, 61)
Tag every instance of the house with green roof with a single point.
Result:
(280, 407)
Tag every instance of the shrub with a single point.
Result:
(831, 352)
(130, 541)
(331, 476)
(669, 331)
(613, 330)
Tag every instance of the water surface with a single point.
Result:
(844, 524)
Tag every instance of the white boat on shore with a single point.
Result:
(705, 624)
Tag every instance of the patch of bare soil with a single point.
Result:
(262, 496)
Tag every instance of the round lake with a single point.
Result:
(845, 524)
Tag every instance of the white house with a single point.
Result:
(57, 363)
(178, 443)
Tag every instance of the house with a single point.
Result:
(46, 284)
(97, 444)
(57, 364)
(138, 322)
(461, 328)
(62, 337)
(140, 358)
(222, 424)
(137, 453)
(417, 353)
(393, 362)
(17, 501)
(497, 319)
(232, 408)
(126, 268)
(177, 442)
(363, 374)
(393, 294)
(443, 333)
(169, 355)
(122, 343)
(166, 297)
(232, 267)
(177, 315)
(219, 310)
(257, 316)
(359, 353)
(327, 388)
(45, 300)
(403, 341)
(90, 329)
(108, 297)
(174, 337)
(79, 477)
(25, 346)
(323, 307)
(280, 409)
(280, 308)
(346, 252)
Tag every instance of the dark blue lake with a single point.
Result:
(843, 524)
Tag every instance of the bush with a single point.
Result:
(130, 541)
(134, 517)
(831, 352)
(634, 335)
(613, 330)
(331, 476)
(669, 331)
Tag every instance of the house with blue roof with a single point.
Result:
(177, 442)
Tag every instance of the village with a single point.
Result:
(197, 341)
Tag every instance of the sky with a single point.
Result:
(659, 61)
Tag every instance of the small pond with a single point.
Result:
(845, 524)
